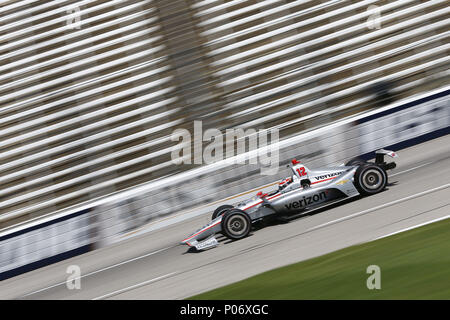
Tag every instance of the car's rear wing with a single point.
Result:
(379, 158)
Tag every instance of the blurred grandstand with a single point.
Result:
(88, 110)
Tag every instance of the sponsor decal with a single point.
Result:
(342, 182)
(207, 243)
(328, 175)
(305, 201)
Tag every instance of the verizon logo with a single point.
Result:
(328, 175)
(306, 201)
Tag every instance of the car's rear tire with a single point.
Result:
(370, 179)
(221, 210)
(236, 224)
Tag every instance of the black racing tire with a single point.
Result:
(221, 210)
(356, 162)
(236, 224)
(370, 179)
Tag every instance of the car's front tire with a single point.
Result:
(370, 179)
(236, 224)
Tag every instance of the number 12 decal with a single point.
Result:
(301, 171)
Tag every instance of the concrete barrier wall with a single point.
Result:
(46, 243)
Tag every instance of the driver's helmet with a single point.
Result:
(284, 183)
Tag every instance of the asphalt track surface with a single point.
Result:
(154, 266)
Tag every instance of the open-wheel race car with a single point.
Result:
(304, 191)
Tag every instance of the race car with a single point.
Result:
(303, 192)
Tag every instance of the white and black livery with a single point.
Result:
(304, 191)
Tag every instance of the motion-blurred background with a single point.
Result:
(91, 91)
